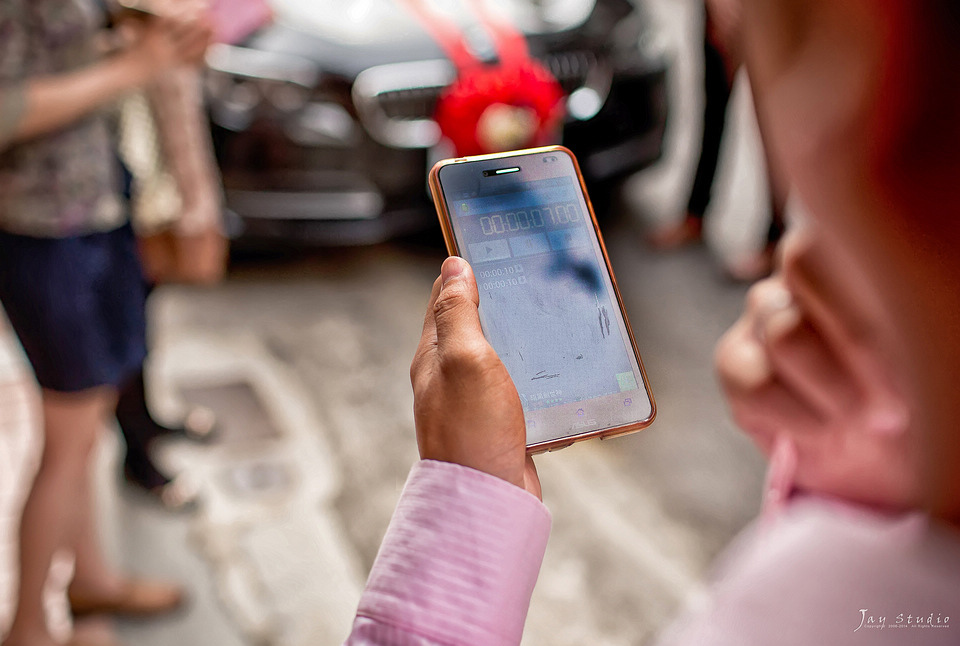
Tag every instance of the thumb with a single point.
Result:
(455, 311)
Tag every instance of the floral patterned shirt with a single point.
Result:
(65, 182)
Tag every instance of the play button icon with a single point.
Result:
(490, 250)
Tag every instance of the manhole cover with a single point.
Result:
(241, 415)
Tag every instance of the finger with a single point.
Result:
(183, 29)
(770, 411)
(190, 35)
(455, 310)
(187, 10)
(131, 28)
(804, 362)
(847, 314)
(759, 402)
(193, 50)
(838, 310)
(429, 333)
(428, 336)
(799, 357)
(740, 360)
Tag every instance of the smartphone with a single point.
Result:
(549, 303)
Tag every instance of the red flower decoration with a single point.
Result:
(492, 108)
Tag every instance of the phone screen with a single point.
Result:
(547, 302)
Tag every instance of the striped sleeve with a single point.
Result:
(458, 563)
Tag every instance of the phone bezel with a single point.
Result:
(436, 191)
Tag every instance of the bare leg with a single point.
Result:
(55, 507)
(98, 587)
(92, 574)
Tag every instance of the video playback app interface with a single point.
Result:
(546, 302)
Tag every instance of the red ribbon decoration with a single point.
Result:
(516, 103)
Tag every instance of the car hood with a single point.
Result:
(347, 36)
(366, 22)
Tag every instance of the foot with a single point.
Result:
(84, 634)
(199, 425)
(132, 598)
(176, 494)
(139, 470)
(687, 231)
(42, 638)
(93, 631)
(180, 494)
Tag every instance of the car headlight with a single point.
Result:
(285, 97)
(240, 80)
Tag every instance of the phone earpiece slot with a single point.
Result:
(501, 171)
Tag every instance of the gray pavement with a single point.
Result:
(306, 362)
(324, 344)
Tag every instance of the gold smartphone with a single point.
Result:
(549, 303)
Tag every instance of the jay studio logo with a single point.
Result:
(869, 620)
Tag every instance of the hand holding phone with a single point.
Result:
(548, 301)
(466, 408)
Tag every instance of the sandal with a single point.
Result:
(137, 598)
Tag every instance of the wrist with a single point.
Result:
(439, 462)
(136, 69)
(490, 467)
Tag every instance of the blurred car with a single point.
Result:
(322, 122)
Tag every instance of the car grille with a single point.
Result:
(571, 69)
(409, 103)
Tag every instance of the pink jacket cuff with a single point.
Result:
(458, 563)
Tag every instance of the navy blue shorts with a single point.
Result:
(78, 306)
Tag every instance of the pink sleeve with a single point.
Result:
(458, 562)
(827, 572)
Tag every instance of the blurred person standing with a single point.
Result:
(176, 211)
(722, 57)
(70, 278)
(177, 214)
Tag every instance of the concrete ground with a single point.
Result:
(306, 363)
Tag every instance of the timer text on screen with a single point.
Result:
(546, 307)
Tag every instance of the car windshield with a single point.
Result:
(359, 22)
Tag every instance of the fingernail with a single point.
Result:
(748, 366)
(776, 297)
(453, 267)
(782, 322)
